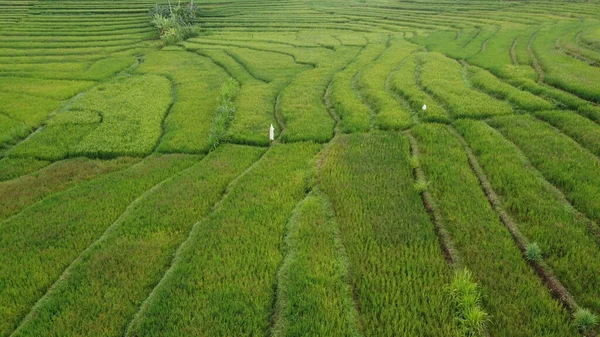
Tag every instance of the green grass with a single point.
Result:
(224, 113)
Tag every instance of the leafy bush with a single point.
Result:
(533, 252)
(421, 185)
(174, 24)
(585, 320)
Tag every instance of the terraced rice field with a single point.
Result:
(414, 142)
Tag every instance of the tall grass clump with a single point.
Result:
(585, 320)
(175, 23)
(466, 300)
(533, 252)
(225, 111)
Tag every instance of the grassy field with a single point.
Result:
(434, 169)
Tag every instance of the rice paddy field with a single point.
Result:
(435, 169)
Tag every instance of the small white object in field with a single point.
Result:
(424, 106)
(272, 133)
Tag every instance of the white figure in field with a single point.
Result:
(271, 133)
(424, 106)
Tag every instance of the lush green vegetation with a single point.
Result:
(314, 297)
(434, 168)
(559, 158)
(565, 239)
(382, 220)
(138, 253)
(485, 244)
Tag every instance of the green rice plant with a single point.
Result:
(491, 84)
(569, 44)
(259, 92)
(581, 129)
(443, 77)
(197, 83)
(30, 110)
(11, 129)
(560, 159)
(26, 190)
(107, 68)
(35, 253)
(224, 113)
(484, 244)
(466, 300)
(355, 116)
(47, 67)
(308, 56)
(255, 113)
(53, 89)
(372, 83)
(561, 98)
(60, 137)
(266, 66)
(301, 104)
(233, 280)
(562, 70)
(533, 252)
(139, 251)
(132, 109)
(459, 45)
(397, 269)
(255, 101)
(497, 53)
(404, 82)
(11, 168)
(314, 297)
(585, 320)
(540, 211)
(589, 37)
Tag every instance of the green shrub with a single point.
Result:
(585, 320)
(174, 24)
(420, 185)
(533, 252)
